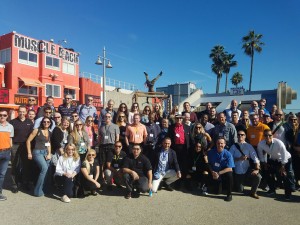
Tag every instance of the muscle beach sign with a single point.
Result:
(37, 46)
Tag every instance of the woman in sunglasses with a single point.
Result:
(122, 123)
(200, 136)
(134, 109)
(145, 115)
(90, 170)
(89, 128)
(67, 168)
(59, 139)
(41, 153)
(123, 109)
(80, 138)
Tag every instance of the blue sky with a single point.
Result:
(168, 35)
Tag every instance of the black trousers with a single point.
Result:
(141, 184)
(67, 184)
(225, 179)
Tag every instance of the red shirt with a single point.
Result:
(179, 134)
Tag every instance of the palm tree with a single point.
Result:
(236, 78)
(217, 67)
(251, 44)
(227, 64)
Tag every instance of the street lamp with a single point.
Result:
(108, 65)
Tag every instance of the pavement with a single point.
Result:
(177, 207)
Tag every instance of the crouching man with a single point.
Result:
(137, 171)
(165, 166)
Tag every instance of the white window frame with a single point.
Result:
(67, 70)
(52, 85)
(27, 62)
(7, 55)
(26, 87)
(52, 67)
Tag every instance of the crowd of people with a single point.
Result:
(76, 151)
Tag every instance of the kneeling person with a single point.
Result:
(221, 164)
(165, 166)
(114, 163)
(242, 153)
(137, 171)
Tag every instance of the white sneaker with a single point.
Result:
(65, 199)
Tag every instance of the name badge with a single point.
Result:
(91, 176)
(151, 135)
(137, 136)
(217, 164)
(123, 133)
(47, 144)
(194, 168)
(91, 140)
(177, 135)
(116, 165)
(221, 135)
(157, 123)
(252, 136)
(106, 137)
(82, 144)
(65, 141)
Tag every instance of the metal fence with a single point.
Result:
(109, 82)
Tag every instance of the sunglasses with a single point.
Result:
(46, 122)
(268, 135)
(68, 98)
(31, 100)
(278, 114)
(57, 117)
(90, 120)
(78, 124)
(118, 146)
(121, 116)
(90, 100)
(3, 115)
(198, 127)
(91, 155)
(75, 116)
(147, 110)
(240, 134)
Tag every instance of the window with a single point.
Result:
(68, 68)
(5, 56)
(28, 90)
(68, 91)
(53, 90)
(52, 63)
(27, 58)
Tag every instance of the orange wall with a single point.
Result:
(88, 87)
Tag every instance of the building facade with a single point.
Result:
(36, 68)
(178, 91)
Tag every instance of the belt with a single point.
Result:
(5, 149)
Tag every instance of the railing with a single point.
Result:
(109, 82)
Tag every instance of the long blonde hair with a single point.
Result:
(87, 164)
(75, 154)
(75, 133)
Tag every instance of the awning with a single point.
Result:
(31, 82)
(71, 87)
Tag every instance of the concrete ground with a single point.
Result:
(175, 207)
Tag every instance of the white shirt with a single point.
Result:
(241, 166)
(276, 150)
(67, 165)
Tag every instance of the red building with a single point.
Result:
(36, 68)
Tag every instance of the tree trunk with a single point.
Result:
(251, 70)
(218, 84)
(226, 82)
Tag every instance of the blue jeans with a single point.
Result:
(43, 164)
(4, 160)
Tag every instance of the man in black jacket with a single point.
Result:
(165, 166)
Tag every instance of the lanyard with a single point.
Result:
(195, 160)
